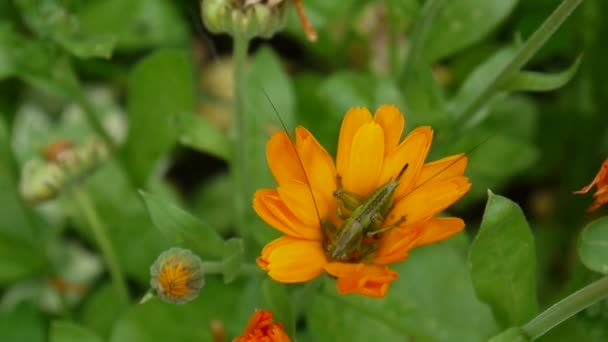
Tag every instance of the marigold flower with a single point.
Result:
(370, 155)
(601, 183)
(261, 328)
(177, 276)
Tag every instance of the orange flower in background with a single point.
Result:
(370, 158)
(601, 183)
(261, 328)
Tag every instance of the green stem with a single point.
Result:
(91, 115)
(217, 267)
(105, 245)
(240, 164)
(566, 308)
(525, 53)
(419, 37)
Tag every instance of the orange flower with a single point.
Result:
(370, 155)
(261, 328)
(601, 183)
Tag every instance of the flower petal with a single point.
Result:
(353, 120)
(291, 260)
(392, 122)
(437, 229)
(412, 151)
(319, 165)
(270, 208)
(395, 245)
(366, 156)
(443, 169)
(365, 279)
(428, 200)
(300, 201)
(283, 160)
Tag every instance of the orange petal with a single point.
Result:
(365, 279)
(437, 229)
(601, 179)
(270, 208)
(601, 198)
(291, 260)
(300, 201)
(282, 159)
(353, 120)
(429, 200)
(443, 169)
(319, 165)
(412, 151)
(395, 245)
(366, 156)
(392, 122)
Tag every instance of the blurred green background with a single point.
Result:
(150, 75)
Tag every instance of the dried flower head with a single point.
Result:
(177, 275)
(376, 203)
(261, 328)
(601, 183)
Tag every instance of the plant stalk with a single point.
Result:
(566, 308)
(105, 245)
(523, 56)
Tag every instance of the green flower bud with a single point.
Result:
(177, 276)
(247, 19)
(41, 181)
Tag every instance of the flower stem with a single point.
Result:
(240, 164)
(217, 267)
(105, 245)
(525, 53)
(566, 308)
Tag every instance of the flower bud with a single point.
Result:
(246, 19)
(177, 276)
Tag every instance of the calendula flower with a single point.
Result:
(262, 328)
(177, 276)
(601, 183)
(370, 157)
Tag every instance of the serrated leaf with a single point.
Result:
(182, 228)
(593, 245)
(278, 300)
(160, 87)
(63, 331)
(538, 81)
(462, 23)
(232, 259)
(502, 261)
(197, 132)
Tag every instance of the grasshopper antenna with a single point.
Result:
(276, 112)
(455, 161)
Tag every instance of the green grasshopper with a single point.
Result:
(364, 222)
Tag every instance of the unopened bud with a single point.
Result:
(177, 276)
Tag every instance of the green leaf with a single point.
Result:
(197, 132)
(232, 259)
(424, 100)
(182, 228)
(278, 300)
(101, 310)
(155, 320)
(427, 302)
(50, 20)
(63, 331)
(593, 245)
(160, 87)
(509, 335)
(22, 323)
(136, 24)
(18, 259)
(503, 262)
(538, 81)
(463, 23)
(212, 200)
